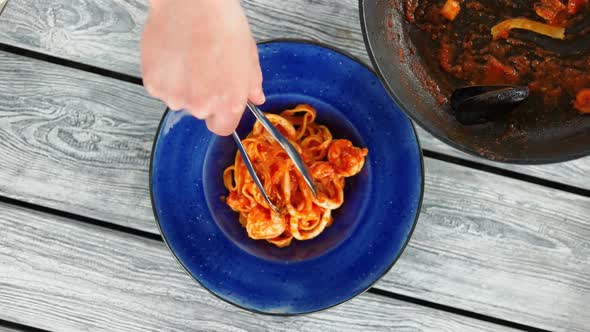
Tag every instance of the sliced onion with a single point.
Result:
(502, 29)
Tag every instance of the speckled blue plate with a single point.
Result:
(369, 232)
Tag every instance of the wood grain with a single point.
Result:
(103, 33)
(68, 138)
(106, 33)
(77, 142)
(65, 276)
(493, 245)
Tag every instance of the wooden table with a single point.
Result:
(498, 247)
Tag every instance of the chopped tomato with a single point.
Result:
(451, 9)
(573, 6)
(582, 102)
(553, 11)
(498, 73)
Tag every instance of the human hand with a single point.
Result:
(199, 55)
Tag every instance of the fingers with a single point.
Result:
(206, 71)
(203, 107)
(256, 94)
(222, 111)
(223, 124)
(224, 121)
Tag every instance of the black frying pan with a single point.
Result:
(400, 56)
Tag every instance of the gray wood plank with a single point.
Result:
(103, 33)
(80, 143)
(68, 138)
(493, 245)
(65, 276)
(106, 33)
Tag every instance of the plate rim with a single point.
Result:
(394, 261)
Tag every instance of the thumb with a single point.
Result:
(223, 124)
(256, 94)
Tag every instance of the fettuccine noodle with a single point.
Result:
(301, 216)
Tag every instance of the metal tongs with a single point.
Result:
(289, 149)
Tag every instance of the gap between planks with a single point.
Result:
(427, 153)
(510, 227)
(6, 326)
(17, 327)
(106, 34)
(158, 238)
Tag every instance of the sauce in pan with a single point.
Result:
(544, 44)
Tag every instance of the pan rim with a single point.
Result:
(429, 129)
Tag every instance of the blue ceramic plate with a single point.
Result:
(369, 232)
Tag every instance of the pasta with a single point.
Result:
(301, 216)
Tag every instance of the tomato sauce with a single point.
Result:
(466, 52)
